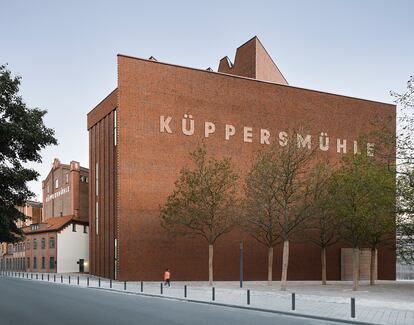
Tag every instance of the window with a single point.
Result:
(97, 219)
(34, 226)
(96, 179)
(48, 189)
(28, 244)
(67, 178)
(28, 262)
(85, 229)
(34, 244)
(115, 128)
(51, 262)
(57, 183)
(43, 262)
(43, 243)
(35, 262)
(74, 227)
(51, 242)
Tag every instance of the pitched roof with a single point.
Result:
(53, 224)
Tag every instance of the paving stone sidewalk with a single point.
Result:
(387, 302)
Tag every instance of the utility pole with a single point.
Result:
(241, 264)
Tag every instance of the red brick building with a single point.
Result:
(65, 191)
(140, 137)
(12, 256)
(58, 241)
(60, 244)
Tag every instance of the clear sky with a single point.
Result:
(65, 51)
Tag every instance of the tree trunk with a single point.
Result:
(323, 260)
(285, 263)
(373, 266)
(210, 264)
(270, 266)
(355, 268)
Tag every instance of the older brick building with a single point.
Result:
(58, 240)
(60, 244)
(140, 136)
(65, 191)
(12, 256)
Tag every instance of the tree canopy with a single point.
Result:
(22, 136)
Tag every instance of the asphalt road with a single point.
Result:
(31, 302)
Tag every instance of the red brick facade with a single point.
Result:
(65, 191)
(154, 103)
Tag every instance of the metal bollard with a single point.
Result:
(27, 275)
(99, 282)
(161, 288)
(213, 293)
(110, 283)
(142, 286)
(185, 291)
(293, 301)
(54, 277)
(78, 279)
(87, 281)
(69, 279)
(353, 307)
(42, 276)
(48, 277)
(124, 285)
(37, 276)
(31, 276)
(61, 279)
(248, 296)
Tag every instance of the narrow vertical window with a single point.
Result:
(115, 128)
(97, 218)
(97, 179)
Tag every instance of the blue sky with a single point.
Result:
(65, 51)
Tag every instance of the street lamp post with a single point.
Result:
(241, 264)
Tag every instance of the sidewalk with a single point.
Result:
(388, 302)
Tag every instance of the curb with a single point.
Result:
(280, 312)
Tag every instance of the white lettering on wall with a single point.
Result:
(248, 134)
(165, 124)
(341, 146)
(230, 131)
(302, 140)
(55, 195)
(209, 128)
(264, 136)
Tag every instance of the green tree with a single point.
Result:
(322, 227)
(22, 136)
(405, 172)
(261, 211)
(398, 150)
(276, 194)
(381, 220)
(405, 220)
(363, 192)
(204, 202)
